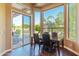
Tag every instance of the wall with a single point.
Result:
(2, 28)
(5, 36)
(8, 26)
(72, 46)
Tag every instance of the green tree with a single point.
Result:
(18, 31)
(59, 19)
(13, 26)
(72, 17)
(37, 28)
(49, 22)
(25, 25)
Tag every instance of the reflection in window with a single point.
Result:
(72, 21)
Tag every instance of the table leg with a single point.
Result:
(62, 43)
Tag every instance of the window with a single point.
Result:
(53, 21)
(37, 21)
(72, 21)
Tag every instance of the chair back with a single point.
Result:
(54, 36)
(46, 38)
(36, 37)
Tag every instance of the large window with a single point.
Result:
(72, 21)
(37, 21)
(53, 21)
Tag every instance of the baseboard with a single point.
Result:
(5, 52)
(72, 50)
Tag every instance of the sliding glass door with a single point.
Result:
(26, 29)
(20, 30)
(16, 30)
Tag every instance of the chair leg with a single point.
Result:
(39, 49)
(39, 46)
(30, 49)
(58, 48)
(34, 48)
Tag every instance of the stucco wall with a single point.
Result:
(2, 28)
(5, 27)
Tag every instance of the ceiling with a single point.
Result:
(28, 5)
(20, 6)
(40, 4)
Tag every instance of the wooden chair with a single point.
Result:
(55, 42)
(37, 40)
(46, 41)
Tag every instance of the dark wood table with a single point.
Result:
(57, 42)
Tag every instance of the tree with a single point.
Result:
(18, 31)
(59, 19)
(37, 28)
(13, 26)
(49, 22)
(72, 17)
(25, 25)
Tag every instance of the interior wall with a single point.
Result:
(2, 28)
(5, 32)
(8, 26)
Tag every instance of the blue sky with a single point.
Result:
(18, 20)
(37, 17)
(26, 20)
(52, 12)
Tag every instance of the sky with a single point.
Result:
(54, 12)
(37, 17)
(26, 19)
(18, 19)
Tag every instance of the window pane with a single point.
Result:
(72, 21)
(26, 29)
(16, 30)
(53, 20)
(37, 22)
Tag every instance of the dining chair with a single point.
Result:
(46, 41)
(54, 36)
(55, 42)
(37, 40)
